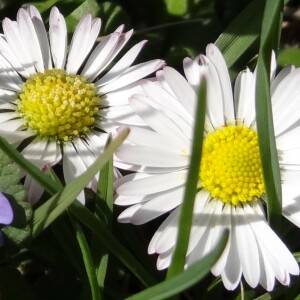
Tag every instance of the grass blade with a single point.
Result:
(184, 280)
(111, 243)
(57, 204)
(269, 40)
(186, 215)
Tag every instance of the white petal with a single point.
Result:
(232, 272)
(41, 35)
(218, 268)
(216, 57)
(42, 153)
(9, 78)
(122, 65)
(156, 119)
(118, 115)
(149, 138)
(291, 203)
(15, 41)
(152, 184)
(266, 238)
(280, 76)
(132, 74)
(73, 166)
(8, 53)
(289, 140)
(267, 276)
(288, 114)
(82, 42)
(163, 98)
(205, 242)
(245, 97)
(193, 71)
(126, 215)
(160, 204)
(5, 116)
(247, 248)
(31, 41)
(15, 136)
(151, 157)
(164, 260)
(183, 91)
(121, 96)
(58, 38)
(283, 91)
(34, 190)
(169, 229)
(13, 124)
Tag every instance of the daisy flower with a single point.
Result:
(231, 188)
(62, 99)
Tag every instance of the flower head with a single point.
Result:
(64, 102)
(231, 192)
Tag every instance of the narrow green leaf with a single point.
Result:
(111, 243)
(241, 34)
(239, 41)
(184, 280)
(43, 6)
(186, 214)
(269, 39)
(87, 259)
(105, 192)
(57, 204)
(86, 7)
(105, 183)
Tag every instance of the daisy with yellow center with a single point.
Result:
(64, 103)
(231, 192)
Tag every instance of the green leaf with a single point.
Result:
(105, 200)
(105, 183)
(186, 214)
(176, 7)
(87, 259)
(57, 204)
(240, 35)
(269, 40)
(112, 15)
(110, 242)
(289, 56)
(184, 280)
(43, 6)
(86, 7)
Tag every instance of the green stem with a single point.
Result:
(87, 259)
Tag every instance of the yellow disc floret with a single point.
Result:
(57, 105)
(231, 167)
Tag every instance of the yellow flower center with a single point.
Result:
(231, 167)
(57, 105)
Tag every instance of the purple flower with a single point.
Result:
(6, 213)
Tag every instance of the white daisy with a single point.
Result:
(231, 188)
(62, 101)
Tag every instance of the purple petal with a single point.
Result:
(6, 212)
